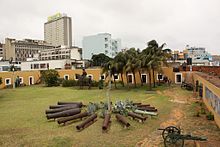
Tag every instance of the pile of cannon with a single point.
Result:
(68, 112)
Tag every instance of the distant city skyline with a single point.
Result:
(176, 23)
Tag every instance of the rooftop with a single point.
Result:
(212, 78)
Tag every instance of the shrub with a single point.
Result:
(69, 83)
(210, 116)
(95, 84)
(101, 84)
(50, 77)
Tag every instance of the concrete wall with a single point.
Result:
(215, 90)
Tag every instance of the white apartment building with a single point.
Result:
(100, 43)
(52, 64)
(62, 52)
(20, 50)
(58, 30)
(199, 54)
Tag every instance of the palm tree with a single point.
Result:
(120, 62)
(133, 63)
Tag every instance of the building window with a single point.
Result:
(106, 45)
(116, 77)
(102, 77)
(42, 65)
(130, 78)
(77, 76)
(31, 80)
(90, 76)
(106, 39)
(21, 80)
(8, 81)
(178, 78)
(66, 77)
(36, 66)
(144, 78)
(159, 77)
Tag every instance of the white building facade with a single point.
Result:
(58, 30)
(20, 50)
(62, 52)
(51, 64)
(199, 55)
(100, 43)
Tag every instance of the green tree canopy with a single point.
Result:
(50, 77)
(100, 59)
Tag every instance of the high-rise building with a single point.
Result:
(100, 43)
(58, 30)
(20, 50)
(2, 55)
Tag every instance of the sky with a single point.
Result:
(175, 22)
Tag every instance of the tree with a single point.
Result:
(133, 62)
(119, 63)
(100, 59)
(50, 77)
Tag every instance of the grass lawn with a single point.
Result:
(23, 121)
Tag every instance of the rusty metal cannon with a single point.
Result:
(144, 105)
(64, 113)
(70, 103)
(87, 122)
(60, 106)
(137, 104)
(134, 115)
(70, 118)
(122, 120)
(151, 109)
(61, 109)
(106, 122)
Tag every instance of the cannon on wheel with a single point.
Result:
(173, 138)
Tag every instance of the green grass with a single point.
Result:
(23, 121)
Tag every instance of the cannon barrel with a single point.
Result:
(86, 122)
(136, 103)
(122, 120)
(152, 109)
(144, 105)
(134, 115)
(70, 103)
(61, 109)
(106, 122)
(69, 118)
(64, 113)
(59, 106)
(145, 112)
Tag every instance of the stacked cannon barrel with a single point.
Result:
(69, 112)
(145, 109)
(65, 112)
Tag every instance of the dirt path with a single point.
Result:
(180, 116)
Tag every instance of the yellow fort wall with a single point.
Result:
(215, 90)
(96, 73)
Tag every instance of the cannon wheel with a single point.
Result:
(169, 141)
(170, 129)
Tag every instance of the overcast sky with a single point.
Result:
(174, 22)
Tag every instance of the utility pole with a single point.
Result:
(108, 90)
(12, 67)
